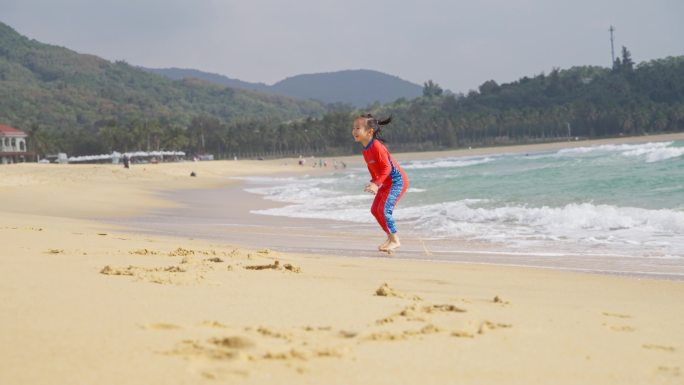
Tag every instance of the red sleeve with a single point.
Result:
(382, 166)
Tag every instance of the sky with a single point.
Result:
(458, 44)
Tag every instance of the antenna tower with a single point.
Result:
(612, 47)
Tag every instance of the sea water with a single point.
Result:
(622, 200)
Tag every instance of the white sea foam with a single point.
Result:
(649, 152)
(614, 228)
(416, 190)
(656, 154)
(586, 224)
(316, 202)
(446, 163)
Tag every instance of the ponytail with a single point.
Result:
(374, 123)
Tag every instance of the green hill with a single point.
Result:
(358, 88)
(61, 92)
(184, 73)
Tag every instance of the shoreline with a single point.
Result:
(84, 301)
(235, 224)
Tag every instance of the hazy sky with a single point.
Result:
(458, 44)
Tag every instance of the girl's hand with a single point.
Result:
(371, 188)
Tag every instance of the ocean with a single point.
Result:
(599, 205)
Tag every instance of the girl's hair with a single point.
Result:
(374, 123)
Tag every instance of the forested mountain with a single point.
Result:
(183, 73)
(359, 88)
(71, 99)
(82, 104)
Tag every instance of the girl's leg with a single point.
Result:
(395, 193)
(378, 211)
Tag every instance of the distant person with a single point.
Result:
(126, 160)
(388, 181)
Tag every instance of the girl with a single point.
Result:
(388, 181)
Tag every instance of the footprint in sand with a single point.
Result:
(404, 335)
(144, 252)
(181, 252)
(175, 275)
(410, 313)
(234, 342)
(347, 334)
(616, 315)
(663, 348)
(225, 354)
(618, 328)
(162, 326)
(415, 313)
(275, 334)
(622, 328)
(213, 324)
(462, 334)
(225, 348)
(134, 270)
(488, 325)
(443, 308)
(275, 266)
(673, 371)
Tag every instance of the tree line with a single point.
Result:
(587, 102)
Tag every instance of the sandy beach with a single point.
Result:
(87, 301)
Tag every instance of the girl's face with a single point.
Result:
(361, 132)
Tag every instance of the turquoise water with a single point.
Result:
(621, 200)
(647, 176)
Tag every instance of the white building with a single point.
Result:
(12, 145)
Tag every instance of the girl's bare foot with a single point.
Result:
(393, 243)
(383, 246)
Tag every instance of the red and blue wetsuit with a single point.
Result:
(391, 180)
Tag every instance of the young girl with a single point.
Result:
(388, 181)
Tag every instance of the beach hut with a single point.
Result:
(12, 145)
